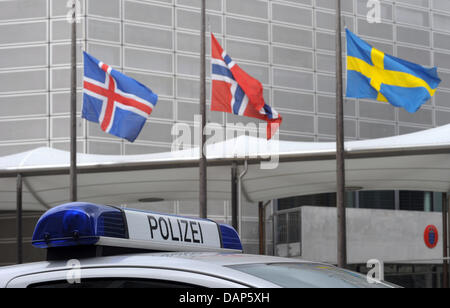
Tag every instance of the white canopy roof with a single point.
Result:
(418, 161)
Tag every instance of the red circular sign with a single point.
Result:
(431, 236)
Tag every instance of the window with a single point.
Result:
(282, 236)
(288, 228)
(111, 283)
(382, 200)
(325, 200)
(298, 275)
(417, 201)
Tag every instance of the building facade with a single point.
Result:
(288, 45)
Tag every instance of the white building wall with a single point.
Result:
(389, 236)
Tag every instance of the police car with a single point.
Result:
(98, 246)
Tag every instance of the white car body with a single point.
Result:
(203, 270)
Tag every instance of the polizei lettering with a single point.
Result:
(175, 229)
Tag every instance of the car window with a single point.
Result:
(298, 275)
(112, 283)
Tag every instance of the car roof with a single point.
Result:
(206, 263)
(229, 259)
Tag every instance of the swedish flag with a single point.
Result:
(373, 74)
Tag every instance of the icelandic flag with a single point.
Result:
(120, 104)
(236, 92)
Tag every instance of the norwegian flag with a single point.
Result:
(120, 104)
(236, 92)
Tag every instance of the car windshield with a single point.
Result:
(298, 275)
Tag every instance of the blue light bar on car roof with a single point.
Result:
(84, 224)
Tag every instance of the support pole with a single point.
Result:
(447, 198)
(203, 162)
(73, 109)
(19, 219)
(234, 196)
(445, 240)
(340, 159)
(239, 207)
(262, 228)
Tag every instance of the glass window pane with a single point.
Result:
(249, 29)
(294, 227)
(191, 20)
(21, 9)
(104, 30)
(306, 276)
(441, 22)
(23, 57)
(214, 5)
(291, 14)
(293, 79)
(412, 200)
(145, 36)
(23, 33)
(293, 57)
(384, 200)
(282, 229)
(106, 8)
(23, 81)
(33, 104)
(24, 130)
(148, 60)
(412, 16)
(254, 8)
(147, 13)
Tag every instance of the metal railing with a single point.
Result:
(287, 232)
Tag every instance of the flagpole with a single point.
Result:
(445, 240)
(203, 198)
(340, 158)
(73, 108)
(19, 218)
